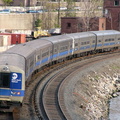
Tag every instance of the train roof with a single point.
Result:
(58, 38)
(105, 32)
(13, 60)
(66, 37)
(27, 48)
(81, 35)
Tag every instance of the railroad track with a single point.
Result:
(50, 98)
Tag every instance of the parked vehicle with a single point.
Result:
(5, 11)
(39, 33)
(16, 38)
(31, 11)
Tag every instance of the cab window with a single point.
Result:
(5, 80)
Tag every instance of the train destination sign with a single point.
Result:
(16, 80)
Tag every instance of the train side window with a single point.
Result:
(83, 43)
(61, 48)
(50, 51)
(55, 50)
(99, 40)
(88, 42)
(76, 44)
(66, 47)
(38, 57)
(106, 40)
(31, 63)
(118, 38)
(45, 53)
(93, 41)
(27, 66)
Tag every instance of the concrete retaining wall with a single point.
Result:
(16, 21)
(25, 21)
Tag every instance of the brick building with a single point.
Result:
(26, 3)
(112, 14)
(76, 24)
(21, 3)
(110, 20)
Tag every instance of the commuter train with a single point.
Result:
(19, 62)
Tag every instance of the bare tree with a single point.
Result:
(70, 4)
(89, 11)
(7, 2)
(48, 8)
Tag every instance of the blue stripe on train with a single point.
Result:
(85, 47)
(55, 55)
(106, 44)
(63, 53)
(70, 51)
(11, 92)
(99, 45)
(44, 60)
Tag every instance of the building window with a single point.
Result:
(116, 2)
(102, 25)
(80, 26)
(68, 25)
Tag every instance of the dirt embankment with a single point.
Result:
(91, 89)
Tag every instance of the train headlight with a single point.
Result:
(18, 93)
(5, 68)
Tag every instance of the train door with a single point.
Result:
(70, 47)
(103, 40)
(49, 54)
(38, 58)
(56, 52)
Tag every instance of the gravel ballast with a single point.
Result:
(87, 94)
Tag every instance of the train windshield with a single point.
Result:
(5, 80)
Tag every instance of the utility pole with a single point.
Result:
(25, 5)
(58, 12)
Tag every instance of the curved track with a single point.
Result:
(50, 97)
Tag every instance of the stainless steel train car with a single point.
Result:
(20, 62)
